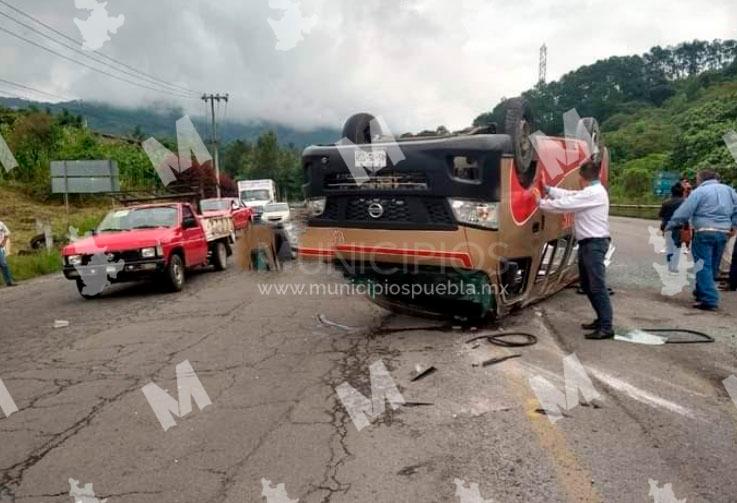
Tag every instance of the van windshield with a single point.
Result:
(255, 195)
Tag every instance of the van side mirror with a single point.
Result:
(189, 222)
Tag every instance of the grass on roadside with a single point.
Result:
(25, 267)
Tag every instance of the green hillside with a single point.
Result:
(667, 110)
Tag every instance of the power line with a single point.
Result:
(168, 89)
(78, 42)
(123, 79)
(39, 91)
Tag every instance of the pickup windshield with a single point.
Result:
(141, 218)
(215, 204)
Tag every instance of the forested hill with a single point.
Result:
(161, 122)
(667, 109)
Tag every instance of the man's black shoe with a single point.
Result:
(705, 307)
(594, 325)
(600, 334)
(12, 284)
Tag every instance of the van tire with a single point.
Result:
(357, 128)
(593, 132)
(519, 124)
(219, 257)
(174, 274)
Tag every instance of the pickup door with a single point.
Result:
(193, 239)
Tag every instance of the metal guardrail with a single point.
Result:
(637, 206)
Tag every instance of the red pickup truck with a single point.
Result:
(159, 241)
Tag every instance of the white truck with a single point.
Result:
(256, 194)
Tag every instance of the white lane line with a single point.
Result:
(640, 395)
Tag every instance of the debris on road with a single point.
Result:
(420, 373)
(61, 323)
(322, 319)
(416, 404)
(641, 337)
(494, 361)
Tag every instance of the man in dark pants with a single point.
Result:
(591, 209)
(712, 209)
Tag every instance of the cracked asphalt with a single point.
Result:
(270, 365)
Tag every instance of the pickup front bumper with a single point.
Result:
(117, 272)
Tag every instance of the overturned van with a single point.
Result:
(447, 225)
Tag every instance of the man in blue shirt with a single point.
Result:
(712, 209)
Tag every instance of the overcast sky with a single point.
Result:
(419, 63)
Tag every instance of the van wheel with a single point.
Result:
(219, 257)
(81, 287)
(519, 124)
(590, 127)
(174, 274)
(357, 128)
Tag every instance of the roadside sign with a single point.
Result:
(663, 181)
(84, 177)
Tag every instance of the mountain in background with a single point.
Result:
(161, 123)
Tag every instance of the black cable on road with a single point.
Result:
(702, 337)
(501, 339)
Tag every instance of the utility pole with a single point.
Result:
(543, 65)
(212, 98)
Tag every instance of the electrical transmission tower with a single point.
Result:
(543, 64)
(212, 98)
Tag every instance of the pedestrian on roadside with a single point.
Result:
(4, 267)
(672, 237)
(712, 210)
(591, 209)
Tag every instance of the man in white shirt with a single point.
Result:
(591, 209)
(4, 268)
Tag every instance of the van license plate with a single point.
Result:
(373, 160)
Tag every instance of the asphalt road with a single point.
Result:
(270, 364)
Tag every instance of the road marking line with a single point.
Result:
(639, 394)
(574, 478)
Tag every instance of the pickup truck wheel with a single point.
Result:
(219, 256)
(174, 274)
(519, 125)
(81, 287)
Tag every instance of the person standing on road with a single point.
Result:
(591, 209)
(712, 208)
(672, 237)
(4, 267)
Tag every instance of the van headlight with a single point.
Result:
(74, 260)
(148, 252)
(478, 213)
(316, 205)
